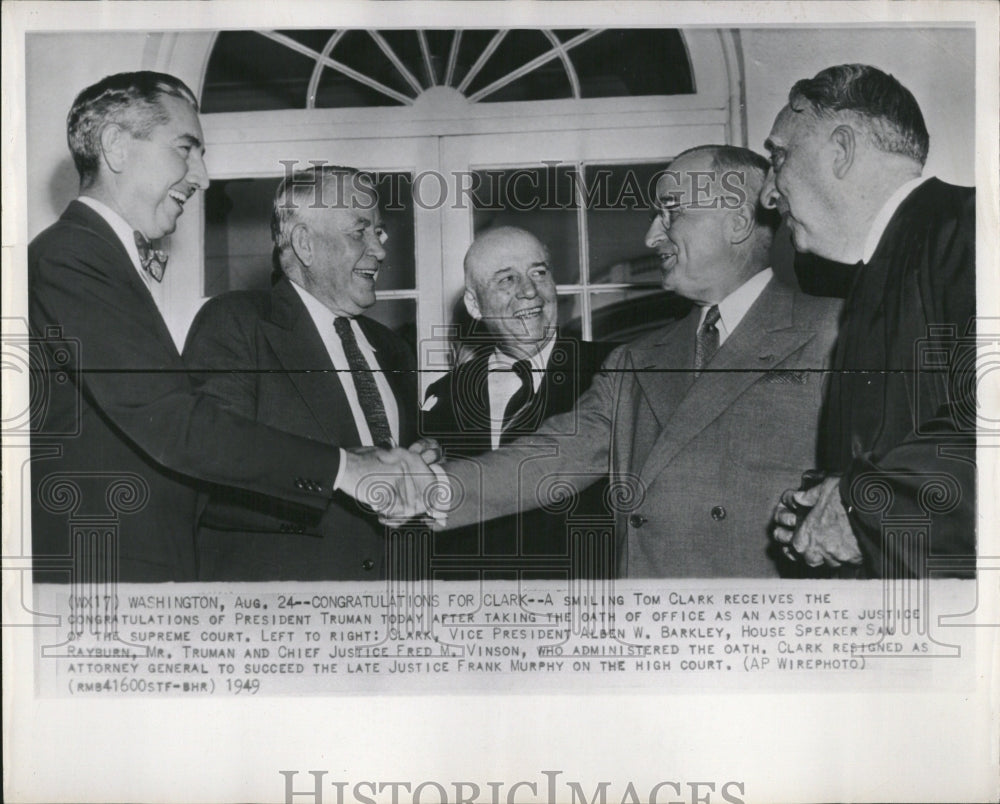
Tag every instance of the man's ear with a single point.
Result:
(843, 139)
(742, 222)
(472, 304)
(301, 242)
(115, 142)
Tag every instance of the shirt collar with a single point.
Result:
(735, 305)
(881, 221)
(321, 315)
(118, 225)
(501, 361)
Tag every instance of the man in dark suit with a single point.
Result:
(282, 357)
(121, 436)
(698, 422)
(898, 437)
(518, 374)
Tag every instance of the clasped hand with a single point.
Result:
(396, 483)
(813, 525)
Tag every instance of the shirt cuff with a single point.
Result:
(340, 470)
(438, 504)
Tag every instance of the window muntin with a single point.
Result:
(238, 244)
(306, 69)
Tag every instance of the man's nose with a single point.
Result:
(526, 288)
(769, 192)
(375, 247)
(656, 233)
(197, 172)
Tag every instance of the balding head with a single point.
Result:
(710, 230)
(508, 285)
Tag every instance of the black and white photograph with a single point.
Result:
(500, 402)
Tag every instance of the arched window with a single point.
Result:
(267, 70)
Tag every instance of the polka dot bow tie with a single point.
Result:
(154, 260)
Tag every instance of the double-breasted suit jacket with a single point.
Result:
(696, 463)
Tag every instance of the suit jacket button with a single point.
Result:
(718, 513)
(300, 483)
(367, 565)
(637, 520)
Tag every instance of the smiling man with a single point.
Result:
(121, 439)
(701, 421)
(302, 357)
(519, 373)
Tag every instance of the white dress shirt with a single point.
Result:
(735, 305)
(503, 383)
(126, 234)
(323, 319)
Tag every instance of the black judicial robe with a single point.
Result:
(899, 416)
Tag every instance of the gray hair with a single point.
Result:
(129, 100)
(887, 109)
(316, 187)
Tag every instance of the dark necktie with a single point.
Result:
(364, 383)
(154, 260)
(519, 401)
(707, 342)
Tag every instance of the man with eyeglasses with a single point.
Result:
(302, 357)
(701, 421)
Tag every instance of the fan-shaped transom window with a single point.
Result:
(310, 69)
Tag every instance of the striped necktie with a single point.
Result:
(707, 341)
(364, 383)
(518, 402)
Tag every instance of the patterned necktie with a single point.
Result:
(154, 260)
(364, 383)
(519, 401)
(707, 342)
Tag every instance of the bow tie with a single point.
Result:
(154, 260)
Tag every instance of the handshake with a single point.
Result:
(398, 484)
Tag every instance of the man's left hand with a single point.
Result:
(824, 534)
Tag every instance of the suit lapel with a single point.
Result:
(123, 269)
(470, 398)
(300, 351)
(762, 340)
(663, 371)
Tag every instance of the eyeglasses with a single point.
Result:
(667, 214)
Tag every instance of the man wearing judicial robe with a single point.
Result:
(897, 442)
